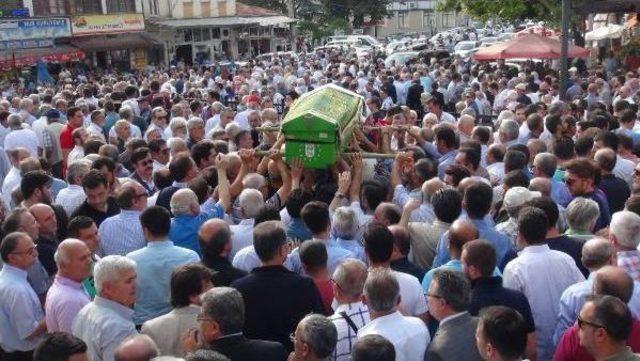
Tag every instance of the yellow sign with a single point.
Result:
(106, 24)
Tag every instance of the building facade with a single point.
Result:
(417, 16)
(203, 31)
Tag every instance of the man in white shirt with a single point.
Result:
(79, 136)
(409, 335)
(71, 198)
(97, 122)
(541, 274)
(378, 246)
(20, 137)
(251, 202)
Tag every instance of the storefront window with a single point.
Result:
(197, 35)
(253, 31)
(225, 33)
(215, 33)
(121, 6)
(206, 34)
(48, 7)
(88, 6)
(188, 35)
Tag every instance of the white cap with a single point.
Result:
(517, 196)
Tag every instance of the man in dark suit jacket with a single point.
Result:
(221, 321)
(183, 169)
(214, 237)
(413, 98)
(275, 298)
(448, 299)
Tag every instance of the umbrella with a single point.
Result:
(611, 31)
(530, 46)
(538, 30)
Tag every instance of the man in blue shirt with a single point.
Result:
(447, 143)
(155, 263)
(477, 202)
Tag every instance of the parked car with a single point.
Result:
(465, 49)
(401, 58)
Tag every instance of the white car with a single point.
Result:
(464, 49)
(488, 41)
(400, 58)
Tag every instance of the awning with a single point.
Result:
(611, 31)
(530, 46)
(28, 57)
(122, 41)
(226, 21)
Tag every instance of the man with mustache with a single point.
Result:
(143, 169)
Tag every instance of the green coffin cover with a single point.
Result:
(320, 124)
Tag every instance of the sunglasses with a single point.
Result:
(146, 162)
(581, 323)
(636, 172)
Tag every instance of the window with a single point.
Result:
(402, 18)
(197, 35)
(206, 34)
(49, 7)
(87, 6)
(153, 5)
(121, 6)
(215, 33)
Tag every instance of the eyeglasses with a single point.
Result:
(292, 338)
(28, 252)
(636, 172)
(146, 162)
(433, 295)
(582, 322)
(201, 318)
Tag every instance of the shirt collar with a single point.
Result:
(539, 248)
(14, 271)
(247, 222)
(67, 282)
(160, 244)
(343, 307)
(121, 310)
(179, 184)
(452, 317)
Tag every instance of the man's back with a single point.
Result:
(542, 275)
(166, 330)
(103, 325)
(455, 340)
(155, 263)
(409, 335)
(276, 299)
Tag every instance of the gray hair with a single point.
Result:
(320, 334)
(192, 122)
(542, 185)
(182, 201)
(251, 202)
(14, 120)
(125, 112)
(344, 222)
(253, 181)
(625, 226)
(109, 268)
(582, 213)
(596, 253)
(382, 290)
(510, 129)
(350, 276)
(226, 307)
(77, 170)
(453, 288)
(546, 163)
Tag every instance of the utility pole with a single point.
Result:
(291, 10)
(566, 9)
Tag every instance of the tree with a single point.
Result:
(507, 10)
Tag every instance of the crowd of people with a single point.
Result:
(149, 216)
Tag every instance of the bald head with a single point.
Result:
(215, 239)
(184, 202)
(46, 218)
(401, 239)
(460, 232)
(606, 159)
(137, 348)
(430, 187)
(542, 185)
(597, 253)
(73, 258)
(613, 281)
(387, 213)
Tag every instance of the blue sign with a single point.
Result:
(30, 29)
(25, 44)
(15, 13)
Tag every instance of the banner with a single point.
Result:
(25, 44)
(12, 30)
(106, 24)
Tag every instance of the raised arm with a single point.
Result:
(285, 188)
(408, 208)
(224, 196)
(344, 181)
(356, 180)
(246, 155)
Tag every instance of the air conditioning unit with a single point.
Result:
(413, 5)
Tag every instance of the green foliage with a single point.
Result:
(507, 10)
(318, 30)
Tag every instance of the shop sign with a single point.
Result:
(25, 44)
(12, 30)
(106, 24)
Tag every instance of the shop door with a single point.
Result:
(184, 53)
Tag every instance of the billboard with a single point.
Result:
(28, 29)
(106, 24)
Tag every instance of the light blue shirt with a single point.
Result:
(103, 324)
(246, 259)
(354, 246)
(500, 242)
(335, 256)
(445, 161)
(20, 311)
(155, 263)
(560, 193)
(453, 265)
(184, 228)
(121, 234)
